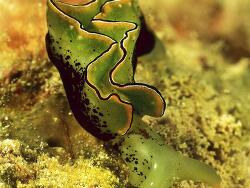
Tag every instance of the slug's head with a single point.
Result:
(93, 45)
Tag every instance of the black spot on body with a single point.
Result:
(67, 57)
(86, 101)
(127, 159)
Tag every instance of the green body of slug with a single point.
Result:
(98, 49)
(94, 48)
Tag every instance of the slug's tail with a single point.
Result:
(155, 165)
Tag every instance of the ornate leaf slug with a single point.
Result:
(93, 45)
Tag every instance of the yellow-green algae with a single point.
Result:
(206, 89)
(50, 171)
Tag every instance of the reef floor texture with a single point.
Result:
(203, 73)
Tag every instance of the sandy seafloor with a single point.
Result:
(204, 77)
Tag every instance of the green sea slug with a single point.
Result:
(94, 46)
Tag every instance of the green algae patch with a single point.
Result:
(13, 167)
(24, 167)
(51, 173)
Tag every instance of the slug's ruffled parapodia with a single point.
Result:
(93, 46)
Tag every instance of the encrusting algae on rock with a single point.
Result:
(206, 119)
(18, 170)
